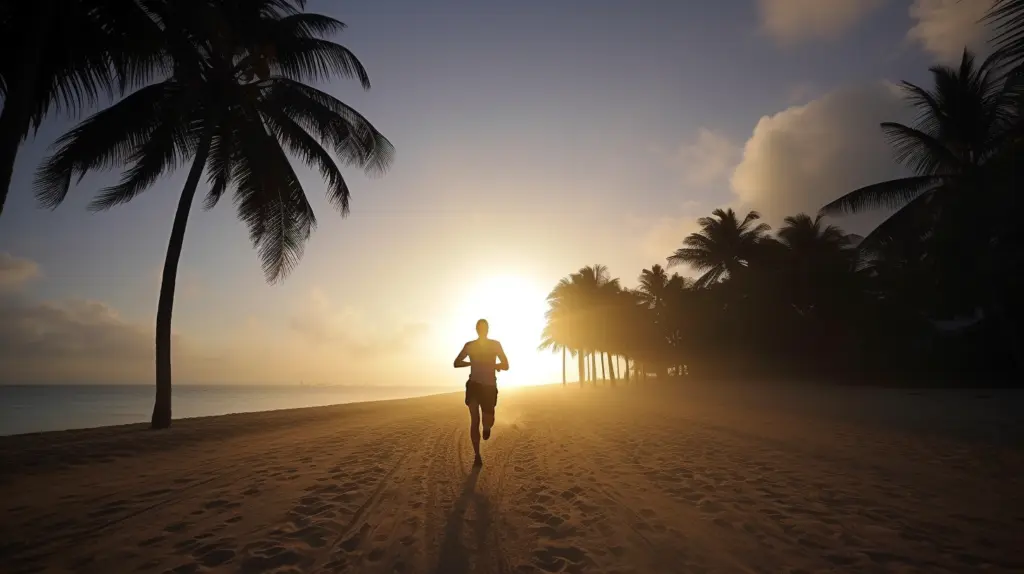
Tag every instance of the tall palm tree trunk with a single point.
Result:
(580, 364)
(17, 112)
(165, 306)
(593, 369)
(601, 356)
(614, 361)
(563, 366)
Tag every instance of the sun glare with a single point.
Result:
(515, 308)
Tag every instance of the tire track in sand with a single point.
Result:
(345, 549)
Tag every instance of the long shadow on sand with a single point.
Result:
(454, 557)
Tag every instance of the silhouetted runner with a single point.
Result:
(486, 357)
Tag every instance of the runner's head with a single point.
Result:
(482, 327)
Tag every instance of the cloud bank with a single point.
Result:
(807, 155)
(944, 27)
(794, 21)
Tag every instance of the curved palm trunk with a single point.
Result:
(17, 113)
(165, 306)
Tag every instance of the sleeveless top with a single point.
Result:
(483, 356)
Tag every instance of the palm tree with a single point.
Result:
(653, 285)
(819, 259)
(557, 331)
(564, 321)
(70, 54)
(722, 247)
(800, 233)
(596, 289)
(237, 105)
(962, 152)
(962, 124)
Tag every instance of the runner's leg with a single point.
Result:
(488, 419)
(489, 400)
(474, 426)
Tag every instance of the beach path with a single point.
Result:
(595, 480)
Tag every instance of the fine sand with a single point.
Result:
(694, 478)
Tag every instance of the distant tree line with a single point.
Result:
(932, 296)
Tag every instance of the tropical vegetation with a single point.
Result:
(223, 86)
(930, 296)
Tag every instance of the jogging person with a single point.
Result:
(485, 358)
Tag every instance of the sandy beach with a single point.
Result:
(696, 478)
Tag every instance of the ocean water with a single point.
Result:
(35, 408)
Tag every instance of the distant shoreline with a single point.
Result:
(32, 408)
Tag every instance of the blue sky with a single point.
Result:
(532, 138)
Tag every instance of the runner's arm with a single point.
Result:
(502, 359)
(461, 360)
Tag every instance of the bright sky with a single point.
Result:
(532, 138)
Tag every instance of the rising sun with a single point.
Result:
(514, 307)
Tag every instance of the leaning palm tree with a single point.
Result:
(236, 105)
(722, 247)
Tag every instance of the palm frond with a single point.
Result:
(696, 258)
(168, 146)
(1007, 17)
(306, 147)
(270, 201)
(750, 217)
(220, 164)
(354, 139)
(105, 140)
(921, 152)
(905, 225)
(887, 194)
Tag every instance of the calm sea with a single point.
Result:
(34, 408)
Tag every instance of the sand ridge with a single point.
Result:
(575, 480)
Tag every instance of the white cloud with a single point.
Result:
(321, 323)
(805, 156)
(791, 21)
(945, 27)
(15, 271)
(73, 340)
(708, 159)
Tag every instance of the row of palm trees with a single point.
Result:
(811, 300)
(673, 324)
(222, 86)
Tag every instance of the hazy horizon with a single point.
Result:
(528, 145)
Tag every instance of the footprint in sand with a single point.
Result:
(559, 558)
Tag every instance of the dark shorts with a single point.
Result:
(484, 395)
